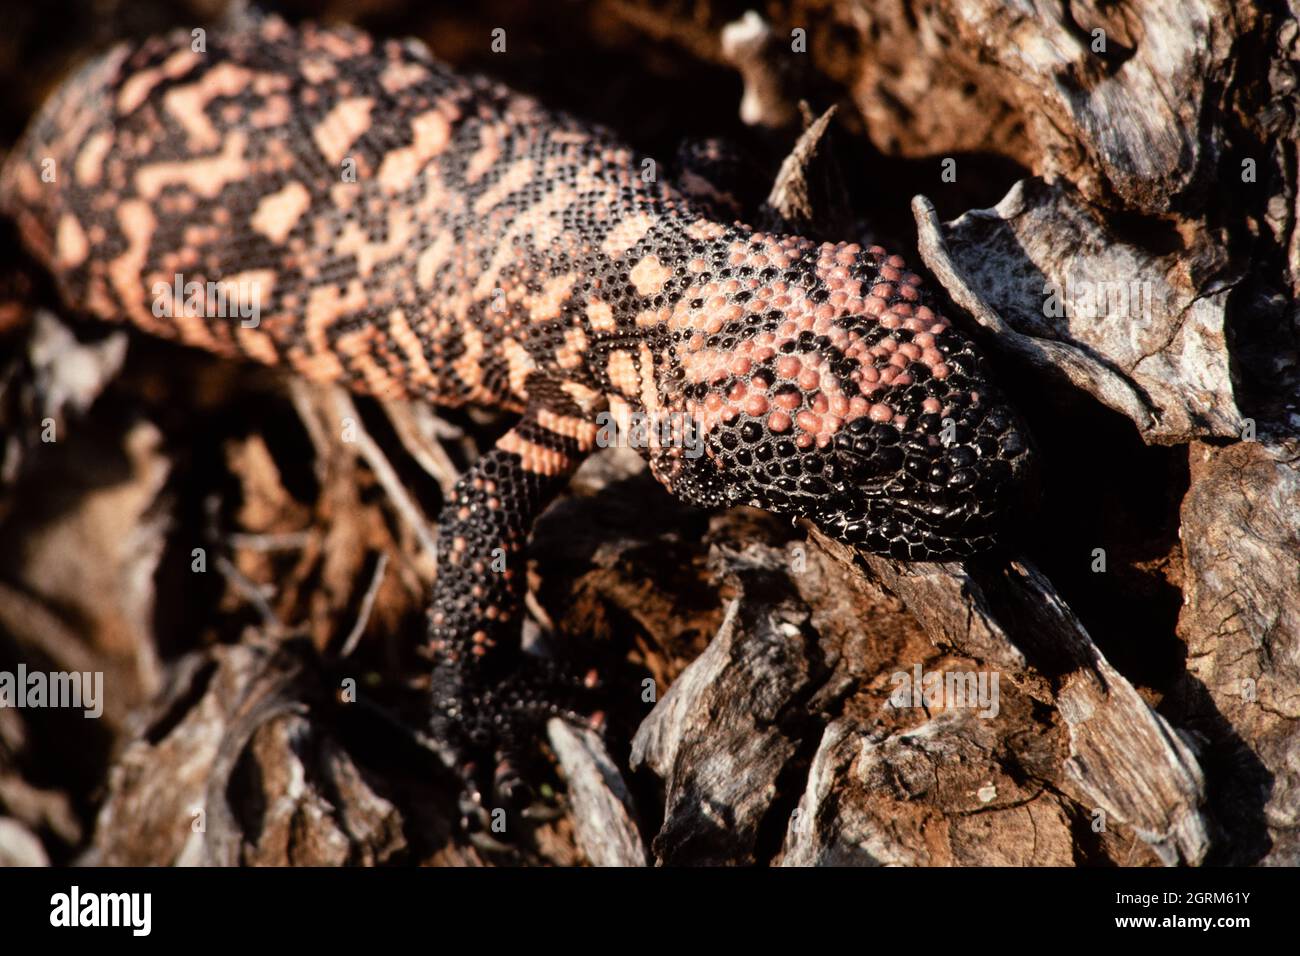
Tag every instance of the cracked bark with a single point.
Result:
(1147, 713)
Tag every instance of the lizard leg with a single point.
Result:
(489, 695)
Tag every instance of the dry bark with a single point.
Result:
(1122, 237)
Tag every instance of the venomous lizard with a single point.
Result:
(420, 234)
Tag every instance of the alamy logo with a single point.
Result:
(103, 909)
(240, 298)
(947, 690)
(642, 431)
(63, 689)
(1089, 299)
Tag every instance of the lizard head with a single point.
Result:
(852, 404)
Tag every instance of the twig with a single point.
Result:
(367, 605)
(288, 541)
(304, 398)
(406, 507)
(423, 447)
(251, 591)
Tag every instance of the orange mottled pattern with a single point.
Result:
(352, 210)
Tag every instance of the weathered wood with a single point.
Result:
(604, 818)
(1139, 257)
(1144, 334)
(723, 735)
(936, 795)
(1241, 621)
(1124, 758)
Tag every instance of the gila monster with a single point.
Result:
(420, 234)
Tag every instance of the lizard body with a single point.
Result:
(415, 233)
